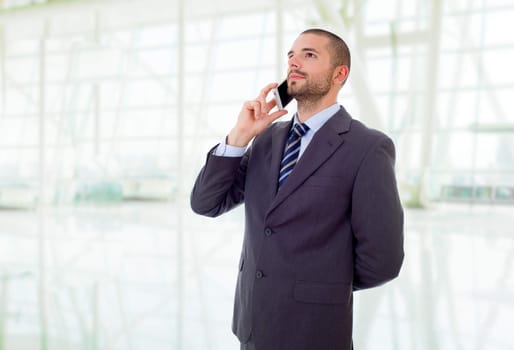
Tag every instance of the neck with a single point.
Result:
(309, 107)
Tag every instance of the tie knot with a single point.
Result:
(299, 130)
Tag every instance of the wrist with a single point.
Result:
(236, 139)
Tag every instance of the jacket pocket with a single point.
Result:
(322, 293)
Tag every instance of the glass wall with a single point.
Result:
(99, 92)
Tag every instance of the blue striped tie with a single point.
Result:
(291, 152)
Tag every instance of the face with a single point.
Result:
(310, 73)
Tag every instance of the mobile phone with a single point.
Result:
(281, 95)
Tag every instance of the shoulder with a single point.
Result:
(362, 137)
(361, 130)
(357, 129)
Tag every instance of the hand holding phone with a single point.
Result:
(255, 116)
(281, 95)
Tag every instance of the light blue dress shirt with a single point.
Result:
(314, 123)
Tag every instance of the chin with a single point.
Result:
(293, 89)
(294, 92)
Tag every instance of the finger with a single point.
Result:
(256, 107)
(275, 115)
(271, 103)
(264, 94)
(265, 90)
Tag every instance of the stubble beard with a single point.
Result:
(311, 92)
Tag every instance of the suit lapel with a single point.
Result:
(324, 143)
(278, 141)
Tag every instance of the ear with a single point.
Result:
(340, 74)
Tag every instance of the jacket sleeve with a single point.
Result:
(377, 218)
(220, 185)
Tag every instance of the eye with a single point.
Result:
(310, 55)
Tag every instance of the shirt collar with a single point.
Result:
(319, 119)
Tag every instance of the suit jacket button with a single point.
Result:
(268, 231)
(259, 274)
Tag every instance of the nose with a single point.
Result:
(293, 63)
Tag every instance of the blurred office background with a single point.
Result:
(107, 109)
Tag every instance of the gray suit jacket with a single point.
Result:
(335, 226)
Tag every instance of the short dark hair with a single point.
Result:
(339, 50)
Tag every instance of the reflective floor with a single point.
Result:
(155, 276)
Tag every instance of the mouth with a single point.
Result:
(295, 76)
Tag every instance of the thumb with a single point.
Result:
(275, 115)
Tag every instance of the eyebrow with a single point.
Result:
(306, 49)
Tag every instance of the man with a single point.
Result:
(314, 234)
